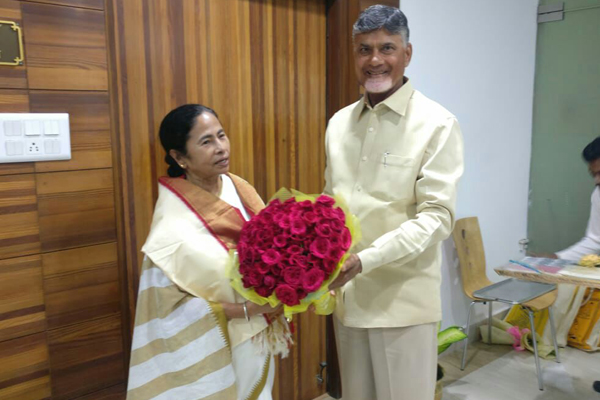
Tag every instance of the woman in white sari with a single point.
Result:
(194, 337)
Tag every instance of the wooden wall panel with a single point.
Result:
(21, 297)
(92, 4)
(342, 84)
(12, 77)
(19, 231)
(86, 357)
(117, 392)
(60, 289)
(14, 101)
(76, 208)
(81, 284)
(89, 119)
(24, 370)
(65, 47)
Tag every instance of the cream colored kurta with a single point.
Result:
(397, 166)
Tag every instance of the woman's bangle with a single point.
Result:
(246, 311)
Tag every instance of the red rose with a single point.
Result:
(337, 225)
(320, 247)
(262, 268)
(335, 241)
(264, 291)
(336, 254)
(313, 280)
(293, 276)
(276, 270)
(301, 293)
(297, 226)
(323, 230)
(284, 223)
(305, 204)
(287, 295)
(346, 239)
(270, 282)
(328, 213)
(299, 260)
(271, 257)
(294, 249)
(280, 240)
(339, 215)
(325, 200)
(329, 265)
(310, 217)
(254, 278)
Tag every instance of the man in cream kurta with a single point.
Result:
(395, 156)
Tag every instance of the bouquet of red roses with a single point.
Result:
(292, 250)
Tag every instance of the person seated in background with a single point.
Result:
(194, 336)
(590, 243)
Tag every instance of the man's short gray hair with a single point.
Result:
(377, 17)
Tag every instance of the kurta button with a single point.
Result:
(371, 129)
(364, 158)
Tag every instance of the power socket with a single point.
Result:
(34, 146)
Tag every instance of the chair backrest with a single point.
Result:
(471, 256)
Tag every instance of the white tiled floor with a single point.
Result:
(512, 376)
(499, 373)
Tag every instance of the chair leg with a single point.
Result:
(490, 322)
(535, 350)
(464, 357)
(553, 331)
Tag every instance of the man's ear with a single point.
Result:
(408, 51)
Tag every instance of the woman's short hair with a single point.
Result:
(175, 131)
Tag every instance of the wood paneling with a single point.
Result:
(19, 231)
(21, 297)
(92, 4)
(76, 208)
(59, 270)
(12, 77)
(342, 85)
(24, 373)
(89, 119)
(65, 47)
(14, 101)
(117, 392)
(86, 357)
(81, 284)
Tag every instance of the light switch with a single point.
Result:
(52, 146)
(51, 128)
(18, 148)
(33, 128)
(10, 147)
(48, 147)
(12, 128)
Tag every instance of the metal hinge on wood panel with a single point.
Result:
(551, 12)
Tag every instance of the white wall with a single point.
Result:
(477, 59)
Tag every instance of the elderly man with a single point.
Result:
(396, 157)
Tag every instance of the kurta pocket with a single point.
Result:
(395, 178)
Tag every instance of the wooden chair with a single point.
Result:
(530, 295)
